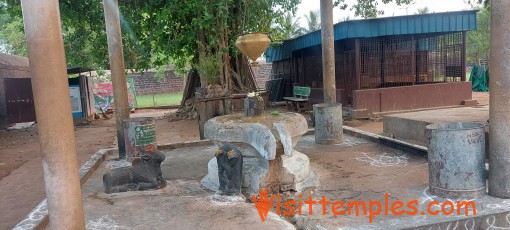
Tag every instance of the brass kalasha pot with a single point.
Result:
(253, 44)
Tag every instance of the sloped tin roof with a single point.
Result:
(401, 25)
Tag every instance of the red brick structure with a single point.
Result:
(262, 73)
(146, 84)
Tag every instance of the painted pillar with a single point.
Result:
(116, 56)
(499, 112)
(328, 51)
(48, 70)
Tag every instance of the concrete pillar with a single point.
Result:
(499, 113)
(53, 110)
(328, 116)
(116, 56)
(328, 51)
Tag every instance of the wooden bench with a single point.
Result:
(300, 99)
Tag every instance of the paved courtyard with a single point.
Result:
(357, 170)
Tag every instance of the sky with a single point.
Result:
(389, 10)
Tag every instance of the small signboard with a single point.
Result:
(145, 135)
(74, 91)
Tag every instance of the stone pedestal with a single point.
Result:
(267, 145)
(253, 106)
(328, 123)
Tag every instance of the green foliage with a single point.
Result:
(102, 76)
(212, 24)
(368, 8)
(160, 75)
(313, 21)
(484, 3)
(478, 41)
(159, 32)
(424, 10)
(287, 27)
(209, 68)
(344, 19)
(12, 37)
(155, 33)
(84, 34)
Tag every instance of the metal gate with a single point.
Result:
(20, 100)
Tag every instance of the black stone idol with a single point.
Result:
(230, 169)
(145, 173)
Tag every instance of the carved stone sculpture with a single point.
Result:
(145, 173)
(267, 144)
(230, 169)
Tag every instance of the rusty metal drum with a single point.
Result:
(328, 123)
(456, 157)
(139, 133)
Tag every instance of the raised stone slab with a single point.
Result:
(261, 132)
(267, 145)
(296, 172)
(358, 169)
(411, 126)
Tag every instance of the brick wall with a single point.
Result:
(262, 73)
(146, 84)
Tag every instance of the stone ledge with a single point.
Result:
(38, 217)
(394, 143)
(469, 102)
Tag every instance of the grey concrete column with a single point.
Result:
(328, 51)
(116, 56)
(499, 113)
(53, 111)
(328, 116)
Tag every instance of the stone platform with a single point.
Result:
(411, 126)
(356, 170)
(267, 144)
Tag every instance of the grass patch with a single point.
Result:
(159, 100)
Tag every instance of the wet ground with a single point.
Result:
(21, 175)
(357, 170)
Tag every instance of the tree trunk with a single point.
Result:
(201, 54)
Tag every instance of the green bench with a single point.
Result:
(299, 101)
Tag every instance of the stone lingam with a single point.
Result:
(266, 143)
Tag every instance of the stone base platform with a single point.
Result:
(356, 170)
(296, 169)
(411, 126)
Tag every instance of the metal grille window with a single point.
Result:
(409, 60)
(345, 71)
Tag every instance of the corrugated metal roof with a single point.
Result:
(400, 25)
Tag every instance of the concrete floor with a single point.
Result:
(411, 126)
(357, 170)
